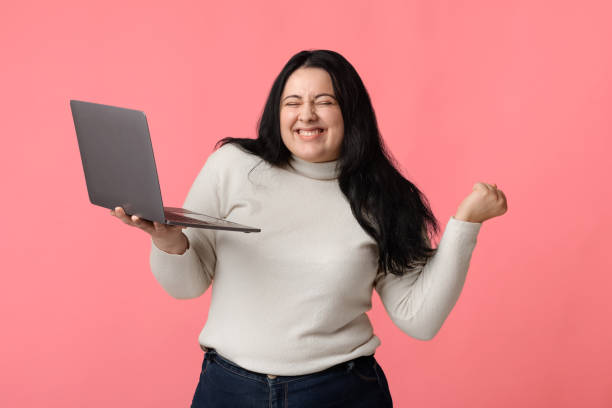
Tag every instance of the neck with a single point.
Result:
(319, 171)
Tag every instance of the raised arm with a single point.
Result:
(420, 301)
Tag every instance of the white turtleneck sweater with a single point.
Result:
(292, 299)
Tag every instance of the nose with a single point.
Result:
(307, 112)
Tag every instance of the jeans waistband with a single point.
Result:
(211, 354)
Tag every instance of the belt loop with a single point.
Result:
(210, 353)
(350, 365)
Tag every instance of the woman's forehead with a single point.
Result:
(308, 82)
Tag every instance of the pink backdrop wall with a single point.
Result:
(514, 93)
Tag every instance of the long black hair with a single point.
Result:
(391, 209)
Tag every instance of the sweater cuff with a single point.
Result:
(164, 260)
(467, 230)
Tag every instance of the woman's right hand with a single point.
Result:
(168, 238)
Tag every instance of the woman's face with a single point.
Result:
(310, 118)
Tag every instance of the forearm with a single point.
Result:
(183, 275)
(419, 306)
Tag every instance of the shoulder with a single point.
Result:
(232, 150)
(229, 156)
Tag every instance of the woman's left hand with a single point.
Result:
(484, 202)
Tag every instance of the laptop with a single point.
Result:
(120, 170)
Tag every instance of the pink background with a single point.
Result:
(515, 93)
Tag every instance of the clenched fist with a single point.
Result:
(484, 202)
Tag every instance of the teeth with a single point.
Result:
(310, 132)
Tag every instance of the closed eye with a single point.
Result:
(321, 103)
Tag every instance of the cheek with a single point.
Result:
(339, 136)
(334, 118)
(338, 125)
(286, 124)
(287, 118)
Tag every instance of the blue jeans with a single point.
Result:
(358, 383)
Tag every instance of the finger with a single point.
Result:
(124, 217)
(497, 193)
(497, 190)
(142, 224)
(504, 198)
(480, 186)
(483, 186)
(120, 213)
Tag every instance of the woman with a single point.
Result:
(287, 323)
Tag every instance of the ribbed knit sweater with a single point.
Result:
(292, 299)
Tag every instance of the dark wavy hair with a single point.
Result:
(391, 209)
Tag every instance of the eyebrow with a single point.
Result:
(317, 96)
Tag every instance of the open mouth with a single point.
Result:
(310, 134)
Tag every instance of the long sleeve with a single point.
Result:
(419, 302)
(188, 275)
(300, 289)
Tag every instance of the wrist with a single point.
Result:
(466, 218)
(178, 247)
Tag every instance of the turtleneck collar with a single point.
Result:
(318, 171)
